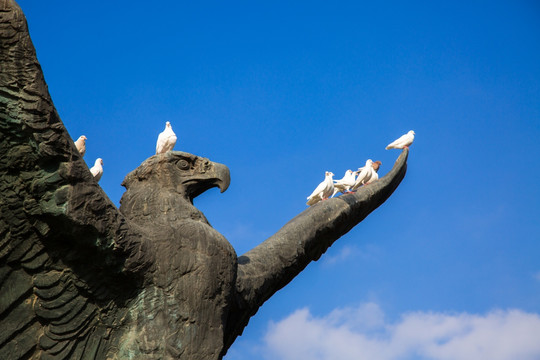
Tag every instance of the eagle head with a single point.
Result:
(184, 173)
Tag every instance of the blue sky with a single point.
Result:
(282, 92)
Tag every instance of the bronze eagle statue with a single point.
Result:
(82, 279)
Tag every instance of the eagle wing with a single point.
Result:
(275, 262)
(69, 261)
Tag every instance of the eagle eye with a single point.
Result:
(183, 164)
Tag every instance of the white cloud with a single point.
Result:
(342, 255)
(367, 252)
(363, 333)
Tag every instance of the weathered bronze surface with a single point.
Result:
(81, 279)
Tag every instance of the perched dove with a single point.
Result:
(374, 177)
(345, 183)
(166, 139)
(364, 174)
(80, 144)
(97, 169)
(323, 191)
(403, 142)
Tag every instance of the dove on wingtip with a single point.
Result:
(403, 142)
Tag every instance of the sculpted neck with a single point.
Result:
(150, 203)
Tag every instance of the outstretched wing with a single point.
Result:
(69, 262)
(274, 263)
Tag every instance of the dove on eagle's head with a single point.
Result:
(364, 174)
(166, 139)
(323, 191)
(97, 169)
(403, 142)
(80, 144)
(345, 183)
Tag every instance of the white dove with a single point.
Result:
(97, 169)
(364, 175)
(166, 139)
(374, 176)
(345, 183)
(80, 144)
(323, 191)
(403, 142)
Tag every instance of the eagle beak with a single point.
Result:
(222, 176)
(216, 175)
